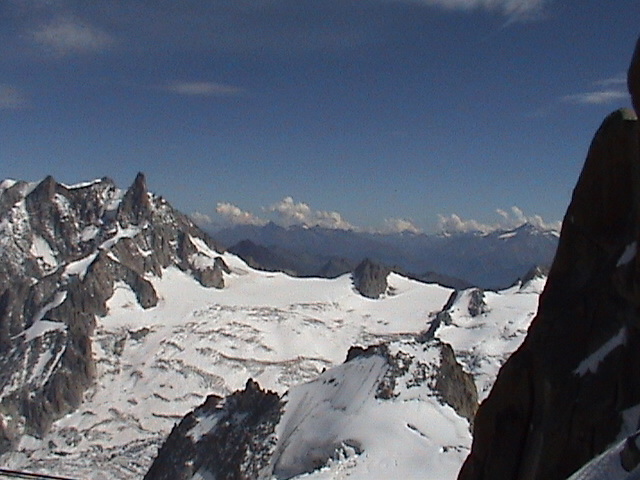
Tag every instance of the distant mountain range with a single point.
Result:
(491, 261)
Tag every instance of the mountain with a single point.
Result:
(491, 261)
(64, 251)
(118, 317)
(571, 390)
(396, 409)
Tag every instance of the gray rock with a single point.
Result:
(370, 279)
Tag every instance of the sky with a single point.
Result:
(381, 115)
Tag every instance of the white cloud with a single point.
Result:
(204, 89)
(602, 97)
(605, 91)
(513, 218)
(201, 219)
(620, 79)
(65, 36)
(515, 10)
(11, 98)
(291, 213)
(236, 216)
(454, 224)
(399, 225)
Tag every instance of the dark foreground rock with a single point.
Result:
(569, 391)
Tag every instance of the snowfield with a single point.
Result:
(156, 365)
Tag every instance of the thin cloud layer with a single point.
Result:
(515, 10)
(66, 36)
(606, 91)
(603, 97)
(204, 89)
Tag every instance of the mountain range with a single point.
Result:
(494, 260)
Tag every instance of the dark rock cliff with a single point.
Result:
(62, 251)
(561, 398)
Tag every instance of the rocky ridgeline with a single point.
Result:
(62, 252)
(572, 388)
(256, 434)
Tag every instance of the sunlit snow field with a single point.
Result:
(155, 365)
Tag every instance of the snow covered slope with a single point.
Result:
(397, 410)
(155, 365)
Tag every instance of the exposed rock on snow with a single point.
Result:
(370, 279)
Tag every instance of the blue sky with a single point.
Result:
(347, 113)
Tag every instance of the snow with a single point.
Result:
(79, 267)
(606, 466)
(41, 249)
(156, 365)
(40, 326)
(628, 254)
(508, 235)
(204, 426)
(483, 343)
(410, 436)
(6, 184)
(593, 361)
(82, 184)
(121, 233)
(89, 233)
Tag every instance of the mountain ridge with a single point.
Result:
(493, 260)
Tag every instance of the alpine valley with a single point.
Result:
(132, 344)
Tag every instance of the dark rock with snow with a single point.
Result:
(477, 306)
(63, 250)
(535, 272)
(228, 438)
(567, 392)
(370, 279)
(455, 386)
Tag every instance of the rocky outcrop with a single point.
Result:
(370, 279)
(564, 396)
(63, 250)
(228, 438)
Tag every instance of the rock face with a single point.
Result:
(63, 250)
(569, 390)
(241, 447)
(370, 279)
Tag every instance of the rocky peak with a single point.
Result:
(566, 393)
(63, 249)
(370, 279)
(135, 207)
